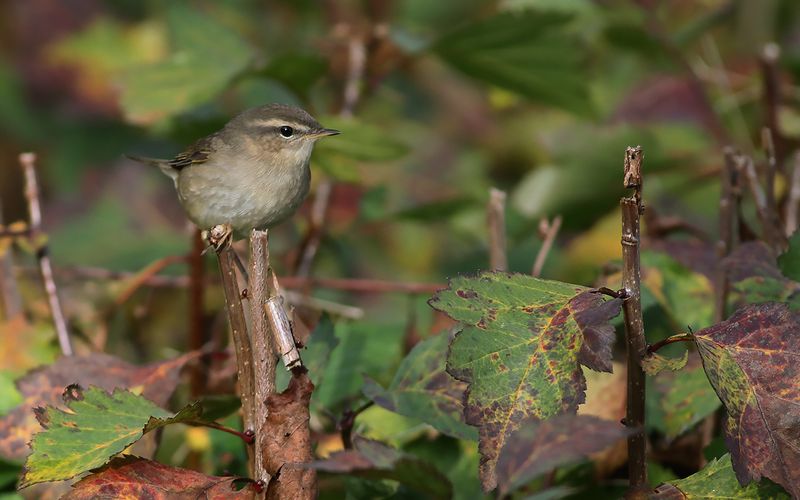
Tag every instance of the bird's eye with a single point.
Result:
(287, 131)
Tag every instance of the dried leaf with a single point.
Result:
(716, 482)
(752, 361)
(96, 426)
(521, 351)
(375, 460)
(540, 446)
(133, 477)
(44, 386)
(654, 363)
(423, 389)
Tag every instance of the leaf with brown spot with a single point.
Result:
(133, 477)
(753, 363)
(44, 386)
(423, 389)
(539, 446)
(374, 460)
(654, 363)
(521, 350)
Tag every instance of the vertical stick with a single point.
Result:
(28, 161)
(496, 220)
(769, 218)
(197, 325)
(549, 234)
(9, 291)
(319, 210)
(728, 222)
(241, 341)
(793, 203)
(263, 352)
(632, 209)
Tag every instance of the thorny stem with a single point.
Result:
(28, 161)
(632, 209)
(264, 352)
(681, 337)
(496, 220)
(241, 340)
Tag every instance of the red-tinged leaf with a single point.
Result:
(133, 477)
(375, 460)
(753, 363)
(521, 351)
(539, 446)
(44, 386)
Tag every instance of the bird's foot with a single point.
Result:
(219, 237)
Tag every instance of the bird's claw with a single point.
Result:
(219, 237)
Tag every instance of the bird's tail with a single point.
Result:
(156, 162)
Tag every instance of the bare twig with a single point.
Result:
(9, 289)
(198, 333)
(357, 62)
(549, 232)
(496, 220)
(328, 306)
(99, 273)
(728, 224)
(263, 351)
(634, 328)
(139, 279)
(768, 145)
(281, 327)
(769, 219)
(319, 209)
(241, 339)
(793, 202)
(28, 162)
(772, 97)
(348, 420)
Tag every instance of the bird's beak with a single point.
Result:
(323, 132)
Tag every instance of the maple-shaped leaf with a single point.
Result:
(423, 389)
(133, 477)
(539, 446)
(374, 460)
(717, 481)
(95, 426)
(753, 363)
(521, 350)
(44, 386)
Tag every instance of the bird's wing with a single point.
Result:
(196, 153)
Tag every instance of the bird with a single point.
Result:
(252, 174)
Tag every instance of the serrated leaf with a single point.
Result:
(654, 363)
(374, 460)
(97, 426)
(717, 481)
(44, 386)
(133, 477)
(685, 397)
(207, 56)
(541, 446)
(528, 52)
(752, 361)
(521, 350)
(422, 389)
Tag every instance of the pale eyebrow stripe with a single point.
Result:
(274, 122)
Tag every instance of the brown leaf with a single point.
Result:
(44, 386)
(133, 477)
(539, 446)
(753, 363)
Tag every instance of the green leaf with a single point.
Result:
(789, 261)
(541, 446)
(207, 56)
(527, 52)
(751, 360)
(422, 389)
(374, 460)
(297, 72)
(685, 398)
(654, 363)
(521, 350)
(315, 354)
(9, 395)
(717, 481)
(97, 426)
(686, 296)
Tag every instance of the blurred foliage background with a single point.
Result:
(438, 102)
